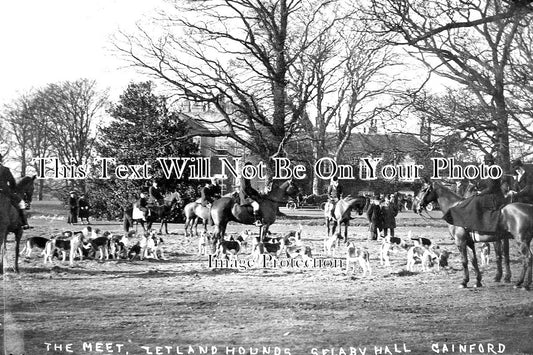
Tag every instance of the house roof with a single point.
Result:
(376, 144)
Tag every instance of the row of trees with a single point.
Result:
(300, 67)
(64, 121)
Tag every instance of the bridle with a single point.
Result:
(422, 205)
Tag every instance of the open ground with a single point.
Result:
(183, 306)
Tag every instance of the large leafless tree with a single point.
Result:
(240, 56)
(469, 42)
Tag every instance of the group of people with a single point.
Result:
(78, 208)
(210, 192)
(381, 215)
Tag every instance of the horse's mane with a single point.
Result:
(445, 188)
(25, 180)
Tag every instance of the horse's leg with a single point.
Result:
(186, 226)
(472, 247)
(195, 226)
(498, 252)
(18, 236)
(505, 251)
(461, 245)
(525, 274)
(3, 235)
(346, 232)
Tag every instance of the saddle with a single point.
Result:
(137, 213)
(475, 214)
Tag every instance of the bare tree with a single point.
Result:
(237, 55)
(68, 111)
(18, 115)
(352, 83)
(470, 42)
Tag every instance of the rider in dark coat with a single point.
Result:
(7, 186)
(210, 192)
(375, 217)
(249, 195)
(155, 195)
(479, 212)
(522, 190)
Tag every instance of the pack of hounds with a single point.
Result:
(93, 243)
(419, 250)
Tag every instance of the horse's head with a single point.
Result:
(25, 189)
(359, 205)
(291, 189)
(426, 195)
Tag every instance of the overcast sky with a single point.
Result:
(55, 40)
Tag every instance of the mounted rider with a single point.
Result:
(8, 187)
(210, 192)
(479, 212)
(155, 196)
(142, 205)
(250, 196)
(334, 195)
(522, 191)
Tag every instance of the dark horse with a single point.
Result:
(10, 219)
(515, 221)
(161, 213)
(342, 210)
(226, 209)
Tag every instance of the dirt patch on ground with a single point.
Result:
(183, 306)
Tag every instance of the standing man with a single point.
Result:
(8, 188)
(73, 208)
(155, 195)
(389, 212)
(375, 217)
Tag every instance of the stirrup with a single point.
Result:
(258, 223)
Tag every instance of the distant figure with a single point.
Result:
(83, 208)
(522, 191)
(155, 196)
(334, 195)
(250, 196)
(375, 217)
(389, 211)
(73, 208)
(210, 192)
(142, 204)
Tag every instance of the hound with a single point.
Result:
(360, 255)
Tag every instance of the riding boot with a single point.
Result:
(257, 216)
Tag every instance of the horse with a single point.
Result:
(341, 213)
(194, 211)
(162, 213)
(515, 221)
(226, 209)
(10, 219)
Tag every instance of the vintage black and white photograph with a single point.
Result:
(266, 177)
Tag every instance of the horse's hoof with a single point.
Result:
(507, 280)
(525, 288)
(478, 284)
(497, 279)
(462, 286)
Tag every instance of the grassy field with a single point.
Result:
(183, 305)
